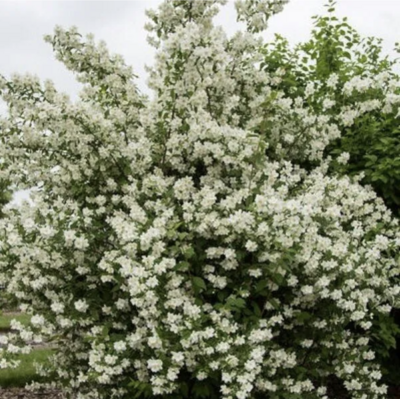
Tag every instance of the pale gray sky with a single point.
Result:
(120, 23)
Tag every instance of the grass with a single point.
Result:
(26, 371)
(5, 320)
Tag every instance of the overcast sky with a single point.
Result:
(120, 24)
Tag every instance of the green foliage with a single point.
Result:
(372, 140)
(5, 196)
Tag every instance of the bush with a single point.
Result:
(346, 78)
(166, 253)
(351, 89)
(7, 360)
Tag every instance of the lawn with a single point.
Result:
(26, 371)
(5, 320)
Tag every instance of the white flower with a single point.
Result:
(202, 375)
(154, 365)
(110, 359)
(69, 235)
(333, 80)
(172, 374)
(310, 89)
(120, 346)
(307, 290)
(57, 307)
(222, 347)
(328, 103)
(37, 320)
(81, 306)
(3, 340)
(177, 357)
(13, 348)
(81, 243)
(343, 158)
(251, 246)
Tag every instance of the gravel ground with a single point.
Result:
(21, 393)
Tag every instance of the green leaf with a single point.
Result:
(277, 278)
(261, 285)
(238, 303)
(256, 309)
(182, 266)
(189, 253)
(199, 283)
(184, 389)
(201, 389)
(303, 316)
(274, 303)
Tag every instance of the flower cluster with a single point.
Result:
(256, 13)
(166, 250)
(348, 86)
(335, 88)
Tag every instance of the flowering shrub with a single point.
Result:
(346, 83)
(11, 344)
(5, 198)
(345, 80)
(165, 252)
